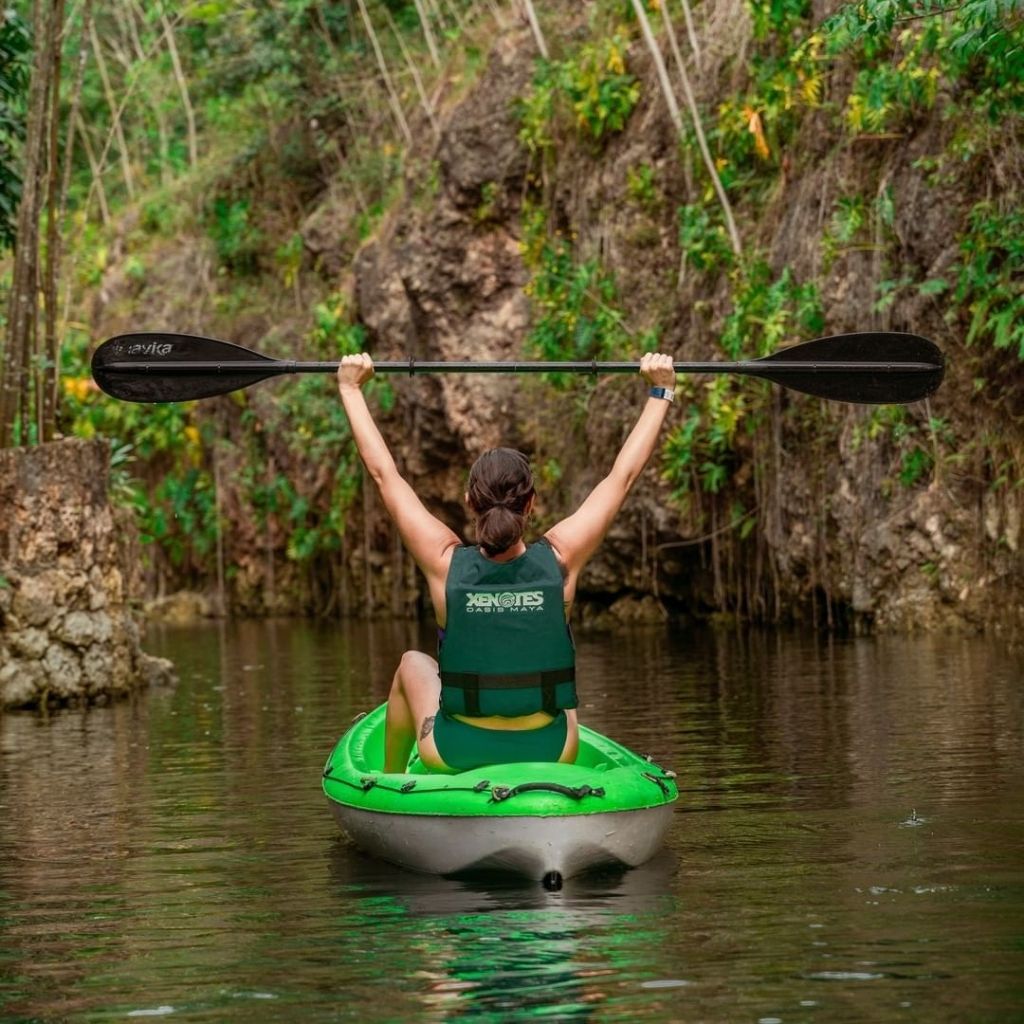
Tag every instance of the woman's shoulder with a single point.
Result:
(545, 544)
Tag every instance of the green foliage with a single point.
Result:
(602, 93)
(979, 26)
(536, 110)
(917, 444)
(856, 224)
(574, 304)
(319, 433)
(593, 83)
(314, 423)
(641, 187)
(847, 219)
(334, 334)
(236, 240)
(979, 44)
(177, 511)
(180, 515)
(914, 464)
(490, 202)
(288, 257)
(767, 313)
(14, 73)
(777, 17)
(703, 238)
(755, 127)
(700, 452)
(883, 97)
(990, 277)
(374, 176)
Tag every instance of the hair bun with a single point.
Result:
(500, 489)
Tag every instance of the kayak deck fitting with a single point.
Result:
(543, 821)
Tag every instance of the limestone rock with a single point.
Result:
(80, 629)
(29, 643)
(646, 610)
(65, 629)
(98, 669)
(35, 601)
(479, 145)
(62, 669)
(326, 229)
(180, 609)
(156, 671)
(20, 683)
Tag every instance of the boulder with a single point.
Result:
(66, 630)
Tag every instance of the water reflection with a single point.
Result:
(490, 947)
(847, 845)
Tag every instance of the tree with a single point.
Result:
(673, 108)
(14, 45)
(27, 371)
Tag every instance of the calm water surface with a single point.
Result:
(849, 845)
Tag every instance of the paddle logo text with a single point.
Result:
(144, 348)
(524, 601)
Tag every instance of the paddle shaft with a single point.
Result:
(872, 367)
(414, 366)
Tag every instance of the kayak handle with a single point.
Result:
(500, 793)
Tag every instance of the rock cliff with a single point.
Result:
(838, 540)
(820, 518)
(67, 565)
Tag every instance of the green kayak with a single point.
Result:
(542, 820)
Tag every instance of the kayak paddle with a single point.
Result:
(876, 367)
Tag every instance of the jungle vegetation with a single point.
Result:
(125, 124)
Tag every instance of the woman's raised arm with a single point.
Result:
(576, 538)
(429, 541)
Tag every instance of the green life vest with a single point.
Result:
(507, 649)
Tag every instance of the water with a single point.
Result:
(847, 847)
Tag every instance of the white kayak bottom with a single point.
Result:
(533, 847)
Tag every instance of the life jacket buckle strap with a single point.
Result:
(493, 681)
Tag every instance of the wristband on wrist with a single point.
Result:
(667, 393)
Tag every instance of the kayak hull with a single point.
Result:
(611, 808)
(529, 847)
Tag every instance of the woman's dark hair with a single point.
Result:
(500, 488)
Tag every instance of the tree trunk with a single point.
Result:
(73, 118)
(23, 303)
(396, 106)
(115, 111)
(133, 11)
(47, 367)
(97, 173)
(691, 31)
(457, 17)
(414, 71)
(673, 107)
(531, 14)
(428, 33)
(179, 76)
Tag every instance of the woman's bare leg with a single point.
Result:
(572, 739)
(412, 707)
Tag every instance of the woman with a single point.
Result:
(505, 687)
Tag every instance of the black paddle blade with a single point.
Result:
(874, 368)
(154, 367)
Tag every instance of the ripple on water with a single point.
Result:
(174, 855)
